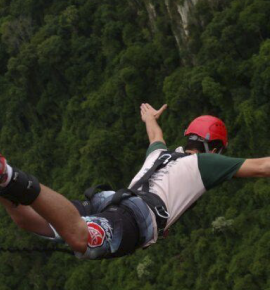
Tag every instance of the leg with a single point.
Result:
(52, 208)
(25, 189)
(63, 216)
(26, 218)
(110, 234)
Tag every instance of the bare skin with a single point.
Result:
(258, 167)
(27, 218)
(63, 216)
(149, 116)
(51, 207)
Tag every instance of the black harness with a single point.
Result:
(141, 189)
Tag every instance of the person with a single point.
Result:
(98, 228)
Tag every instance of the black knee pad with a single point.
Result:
(22, 189)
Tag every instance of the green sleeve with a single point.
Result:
(215, 168)
(155, 146)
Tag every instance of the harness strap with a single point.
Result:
(158, 207)
(164, 158)
(141, 189)
(155, 203)
(120, 195)
(91, 191)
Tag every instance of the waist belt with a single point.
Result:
(154, 202)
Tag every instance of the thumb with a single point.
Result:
(160, 111)
(163, 108)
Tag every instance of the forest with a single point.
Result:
(73, 74)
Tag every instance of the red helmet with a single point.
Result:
(208, 128)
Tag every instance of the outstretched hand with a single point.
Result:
(148, 111)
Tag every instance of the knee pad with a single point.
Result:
(22, 189)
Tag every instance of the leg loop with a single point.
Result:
(83, 207)
(22, 189)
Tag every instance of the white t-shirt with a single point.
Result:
(184, 180)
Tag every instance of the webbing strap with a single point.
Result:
(164, 158)
(120, 194)
(94, 189)
(152, 200)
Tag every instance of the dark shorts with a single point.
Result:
(112, 233)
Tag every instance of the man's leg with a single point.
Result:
(63, 216)
(27, 218)
(50, 205)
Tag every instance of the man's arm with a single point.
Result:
(259, 167)
(149, 117)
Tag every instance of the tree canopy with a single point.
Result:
(73, 74)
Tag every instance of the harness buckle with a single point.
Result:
(161, 212)
(169, 156)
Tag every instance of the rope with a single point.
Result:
(36, 249)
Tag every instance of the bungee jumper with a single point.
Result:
(112, 224)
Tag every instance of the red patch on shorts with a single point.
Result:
(96, 235)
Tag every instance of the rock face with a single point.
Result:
(152, 14)
(178, 12)
(184, 11)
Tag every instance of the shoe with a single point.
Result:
(3, 169)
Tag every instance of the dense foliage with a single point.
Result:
(72, 76)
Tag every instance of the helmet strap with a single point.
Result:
(205, 143)
(207, 150)
(220, 150)
(206, 147)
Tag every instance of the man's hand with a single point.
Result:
(149, 117)
(147, 111)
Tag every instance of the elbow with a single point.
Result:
(265, 169)
(255, 168)
(156, 138)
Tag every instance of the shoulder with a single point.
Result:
(213, 158)
(216, 168)
(155, 146)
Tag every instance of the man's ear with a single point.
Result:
(214, 150)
